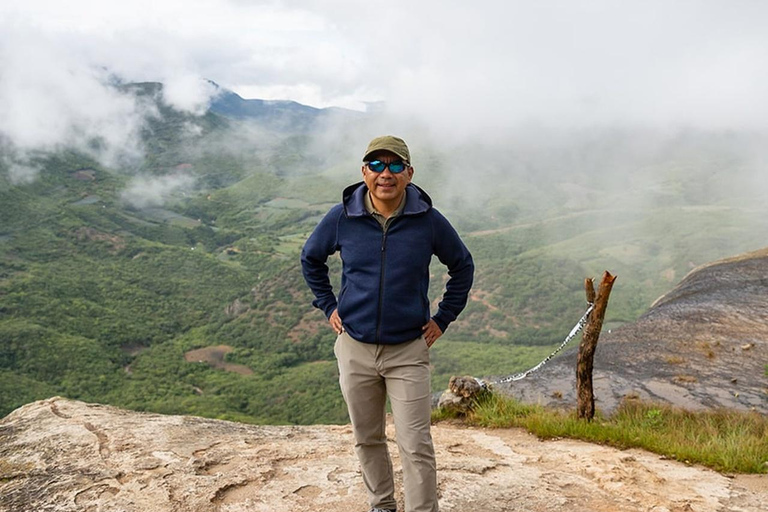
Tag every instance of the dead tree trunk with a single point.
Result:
(586, 397)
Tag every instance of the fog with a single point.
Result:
(147, 191)
(481, 87)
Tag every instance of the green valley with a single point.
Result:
(111, 275)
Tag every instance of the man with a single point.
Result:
(387, 231)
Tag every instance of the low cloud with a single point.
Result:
(49, 99)
(517, 75)
(58, 92)
(188, 93)
(466, 71)
(147, 192)
(22, 173)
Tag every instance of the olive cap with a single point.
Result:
(389, 143)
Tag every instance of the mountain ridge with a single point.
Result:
(283, 115)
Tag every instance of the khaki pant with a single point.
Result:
(368, 373)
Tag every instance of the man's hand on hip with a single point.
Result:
(431, 332)
(335, 322)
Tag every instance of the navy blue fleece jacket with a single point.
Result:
(385, 276)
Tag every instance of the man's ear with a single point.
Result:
(362, 170)
(410, 173)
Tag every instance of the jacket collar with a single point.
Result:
(416, 200)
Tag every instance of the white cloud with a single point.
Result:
(147, 191)
(462, 68)
(49, 98)
(188, 93)
(583, 63)
(22, 173)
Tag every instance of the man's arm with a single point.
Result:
(321, 244)
(452, 253)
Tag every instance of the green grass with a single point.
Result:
(726, 441)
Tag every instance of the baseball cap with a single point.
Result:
(389, 143)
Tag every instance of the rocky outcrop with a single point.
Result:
(59, 455)
(236, 308)
(461, 394)
(702, 345)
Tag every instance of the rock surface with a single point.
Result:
(703, 345)
(60, 455)
(461, 394)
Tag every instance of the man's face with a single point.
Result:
(386, 186)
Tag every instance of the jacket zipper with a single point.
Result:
(381, 286)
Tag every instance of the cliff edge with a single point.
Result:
(60, 455)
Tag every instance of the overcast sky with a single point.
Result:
(475, 65)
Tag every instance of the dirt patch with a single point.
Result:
(84, 175)
(307, 327)
(214, 357)
(94, 235)
(480, 296)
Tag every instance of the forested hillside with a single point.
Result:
(171, 282)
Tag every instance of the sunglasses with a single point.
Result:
(395, 167)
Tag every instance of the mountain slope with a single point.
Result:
(170, 281)
(702, 345)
